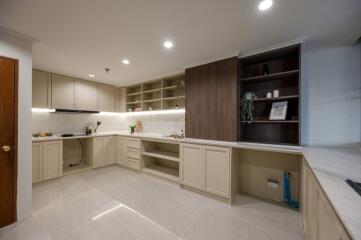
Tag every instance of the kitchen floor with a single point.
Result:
(114, 203)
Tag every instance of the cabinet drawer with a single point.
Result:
(133, 143)
(134, 164)
(133, 153)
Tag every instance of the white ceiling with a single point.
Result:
(82, 37)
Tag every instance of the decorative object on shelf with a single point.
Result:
(150, 108)
(278, 111)
(265, 69)
(247, 106)
(138, 126)
(130, 109)
(139, 109)
(88, 130)
(176, 106)
(276, 93)
(180, 86)
(269, 95)
(132, 128)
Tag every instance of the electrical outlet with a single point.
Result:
(272, 184)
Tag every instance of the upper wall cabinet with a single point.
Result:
(86, 95)
(106, 98)
(41, 89)
(63, 92)
(212, 101)
(120, 100)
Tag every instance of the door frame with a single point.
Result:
(16, 86)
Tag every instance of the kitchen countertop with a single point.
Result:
(331, 167)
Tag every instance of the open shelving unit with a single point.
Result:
(284, 75)
(161, 159)
(159, 94)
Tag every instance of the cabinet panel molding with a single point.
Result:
(106, 98)
(86, 95)
(53, 159)
(63, 92)
(41, 89)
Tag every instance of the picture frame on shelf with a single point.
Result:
(279, 111)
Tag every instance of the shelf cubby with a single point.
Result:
(283, 75)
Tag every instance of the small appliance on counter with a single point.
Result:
(43, 134)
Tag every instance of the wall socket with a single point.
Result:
(272, 183)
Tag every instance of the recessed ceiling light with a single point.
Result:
(168, 44)
(265, 4)
(91, 75)
(125, 61)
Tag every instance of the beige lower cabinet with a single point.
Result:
(104, 151)
(37, 158)
(121, 151)
(47, 160)
(206, 168)
(319, 218)
(128, 152)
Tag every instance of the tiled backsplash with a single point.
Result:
(164, 123)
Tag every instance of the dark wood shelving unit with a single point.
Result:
(284, 75)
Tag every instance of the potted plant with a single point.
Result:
(247, 107)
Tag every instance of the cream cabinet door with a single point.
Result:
(192, 166)
(52, 159)
(217, 169)
(329, 226)
(311, 206)
(63, 92)
(100, 158)
(121, 99)
(106, 98)
(41, 89)
(37, 162)
(110, 150)
(121, 151)
(86, 95)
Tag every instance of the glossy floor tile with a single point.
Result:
(114, 203)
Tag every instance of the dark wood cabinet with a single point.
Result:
(212, 101)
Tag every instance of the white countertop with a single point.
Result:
(332, 166)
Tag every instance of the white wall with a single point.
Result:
(69, 122)
(331, 95)
(16, 47)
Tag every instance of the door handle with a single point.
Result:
(6, 148)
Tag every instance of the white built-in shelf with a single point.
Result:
(152, 90)
(152, 100)
(164, 172)
(162, 154)
(276, 99)
(173, 98)
(132, 103)
(170, 87)
(134, 94)
(272, 76)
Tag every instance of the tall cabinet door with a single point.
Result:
(192, 166)
(41, 89)
(121, 151)
(63, 92)
(106, 98)
(217, 169)
(52, 159)
(37, 161)
(212, 91)
(86, 95)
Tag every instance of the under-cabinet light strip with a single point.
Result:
(155, 112)
(42, 110)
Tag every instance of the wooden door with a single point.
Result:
(192, 166)
(121, 151)
(211, 101)
(8, 140)
(52, 159)
(217, 169)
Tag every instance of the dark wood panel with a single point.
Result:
(212, 102)
(8, 136)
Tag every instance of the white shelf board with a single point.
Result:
(164, 172)
(162, 154)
